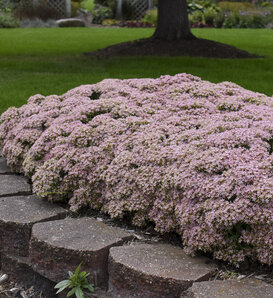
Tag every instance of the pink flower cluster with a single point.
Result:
(191, 156)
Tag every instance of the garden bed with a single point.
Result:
(196, 47)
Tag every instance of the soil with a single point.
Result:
(10, 289)
(195, 48)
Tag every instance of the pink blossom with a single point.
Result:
(191, 156)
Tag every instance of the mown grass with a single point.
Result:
(51, 61)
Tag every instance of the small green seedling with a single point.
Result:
(77, 282)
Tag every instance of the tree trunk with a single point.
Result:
(173, 22)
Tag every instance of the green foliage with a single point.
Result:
(219, 20)
(236, 6)
(108, 3)
(231, 20)
(87, 4)
(193, 6)
(75, 5)
(127, 7)
(201, 5)
(77, 283)
(101, 13)
(201, 11)
(196, 17)
(228, 14)
(103, 2)
(229, 275)
(7, 20)
(150, 17)
(251, 21)
(5, 6)
(266, 4)
(110, 22)
(246, 20)
(209, 15)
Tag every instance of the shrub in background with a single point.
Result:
(150, 17)
(88, 5)
(194, 6)
(251, 21)
(231, 20)
(196, 17)
(7, 20)
(127, 8)
(191, 156)
(9, 4)
(75, 6)
(219, 20)
(267, 15)
(101, 13)
(107, 3)
(236, 6)
(210, 15)
(111, 22)
(228, 14)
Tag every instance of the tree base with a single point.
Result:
(157, 47)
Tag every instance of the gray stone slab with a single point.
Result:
(28, 210)
(72, 22)
(245, 288)
(18, 215)
(154, 270)
(14, 185)
(59, 246)
(4, 169)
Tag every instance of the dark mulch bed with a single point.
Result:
(194, 47)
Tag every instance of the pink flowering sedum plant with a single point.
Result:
(191, 156)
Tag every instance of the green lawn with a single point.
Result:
(50, 61)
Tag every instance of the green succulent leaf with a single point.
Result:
(71, 292)
(78, 269)
(61, 289)
(63, 283)
(79, 292)
(83, 274)
(91, 288)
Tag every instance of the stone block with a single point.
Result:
(71, 22)
(154, 271)
(245, 288)
(14, 185)
(59, 246)
(18, 215)
(4, 169)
